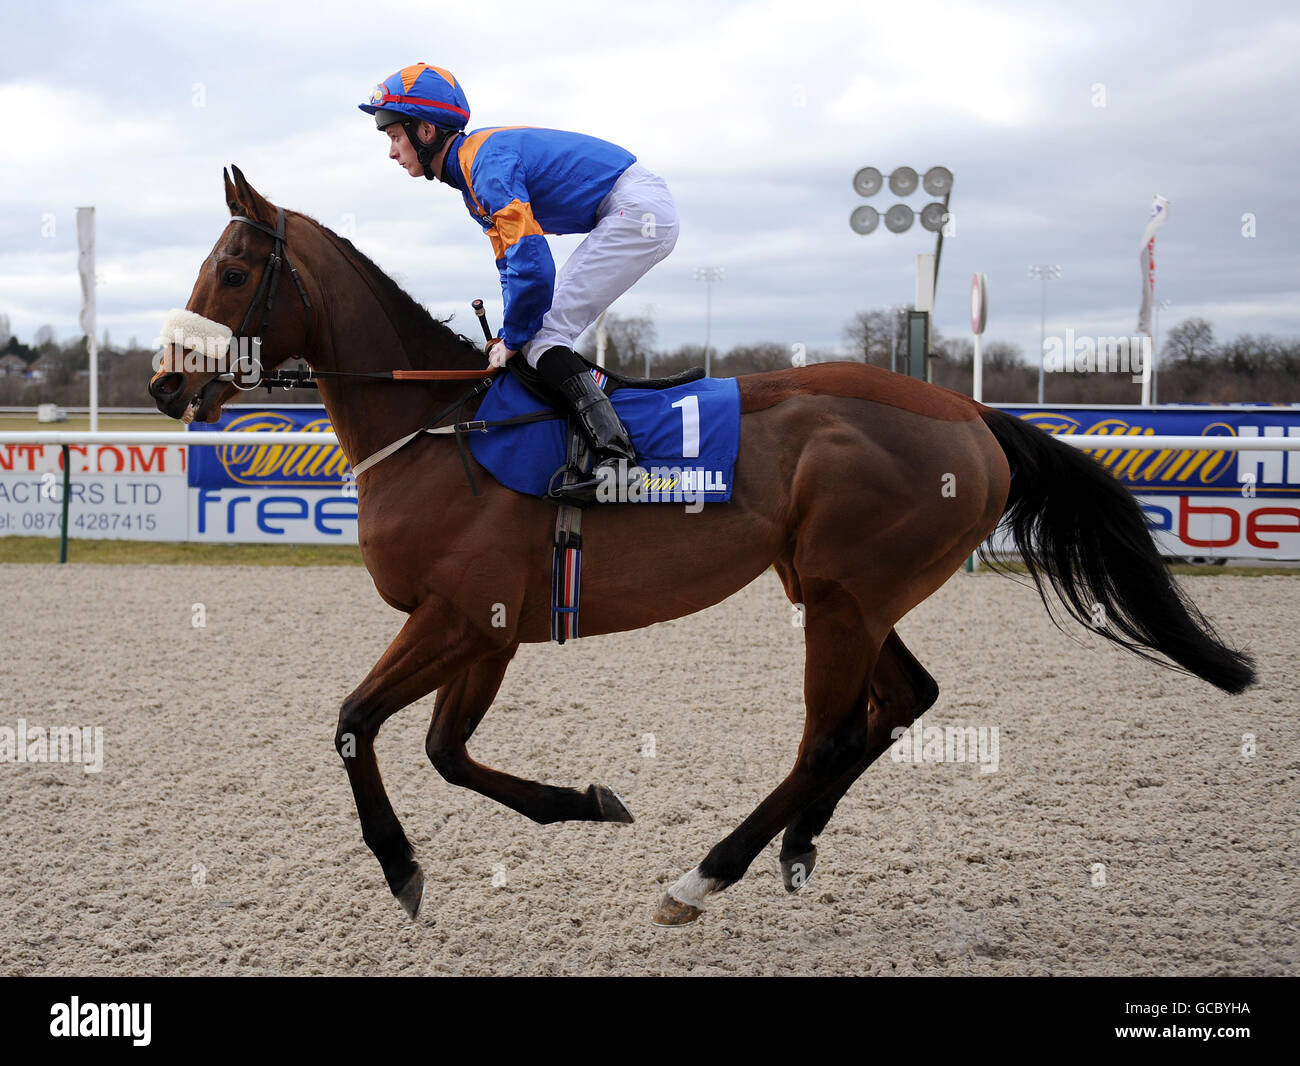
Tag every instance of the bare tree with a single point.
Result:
(754, 359)
(875, 335)
(629, 343)
(1191, 341)
(681, 358)
(1000, 355)
(958, 351)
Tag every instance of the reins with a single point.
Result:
(307, 378)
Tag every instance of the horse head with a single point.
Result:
(217, 345)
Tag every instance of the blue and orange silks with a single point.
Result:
(520, 182)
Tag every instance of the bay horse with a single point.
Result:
(864, 489)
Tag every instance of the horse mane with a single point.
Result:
(415, 320)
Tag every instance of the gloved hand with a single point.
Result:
(498, 354)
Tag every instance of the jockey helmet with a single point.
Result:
(420, 92)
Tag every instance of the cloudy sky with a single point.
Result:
(1058, 124)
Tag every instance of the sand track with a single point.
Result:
(221, 838)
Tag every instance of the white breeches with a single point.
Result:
(636, 227)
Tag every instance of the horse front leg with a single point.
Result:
(460, 707)
(434, 646)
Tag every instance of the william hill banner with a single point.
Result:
(271, 493)
(1207, 501)
(269, 465)
(1200, 502)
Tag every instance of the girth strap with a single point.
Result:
(566, 567)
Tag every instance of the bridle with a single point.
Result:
(270, 275)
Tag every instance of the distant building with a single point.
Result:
(45, 366)
(13, 366)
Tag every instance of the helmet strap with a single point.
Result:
(426, 153)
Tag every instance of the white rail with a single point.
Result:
(1099, 442)
(1103, 442)
(57, 437)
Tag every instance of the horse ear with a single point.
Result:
(257, 206)
(232, 197)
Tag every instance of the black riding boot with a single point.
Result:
(615, 465)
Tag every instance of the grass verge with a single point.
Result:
(144, 552)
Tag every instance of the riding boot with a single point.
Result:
(615, 466)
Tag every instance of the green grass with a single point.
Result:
(143, 552)
(1184, 569)
(80, 423)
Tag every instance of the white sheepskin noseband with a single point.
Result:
(190, 331)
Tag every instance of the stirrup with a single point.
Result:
(586, 488)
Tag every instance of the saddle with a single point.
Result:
(533, 381)
(567, 562)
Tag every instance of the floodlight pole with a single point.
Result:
(708, 275)
(938, 245)
(1157, 307)
(902, 182)
(918, 343)
(1043, 272)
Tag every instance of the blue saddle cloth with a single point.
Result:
(686, 437)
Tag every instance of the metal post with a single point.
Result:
(67, 484)
(708, 275)
(918, 337)
(1156, 305)
(1155, 343)
(1042, 342)
(649, 311)
(708, 322)
(938, 244)
(1045, 272)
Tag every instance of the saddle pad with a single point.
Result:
(687, 438)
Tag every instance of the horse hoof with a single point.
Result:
(674, 912)
(411, 894)
(797, 870)
(611, 805)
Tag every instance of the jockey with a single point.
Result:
(519, 183)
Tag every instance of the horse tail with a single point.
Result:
(1079, 529)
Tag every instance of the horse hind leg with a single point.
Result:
(460, 707)
(901, 690)
(839, 657)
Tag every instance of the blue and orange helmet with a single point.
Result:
(419, 92)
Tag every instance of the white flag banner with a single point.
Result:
(86, 267)
(1147, 259)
